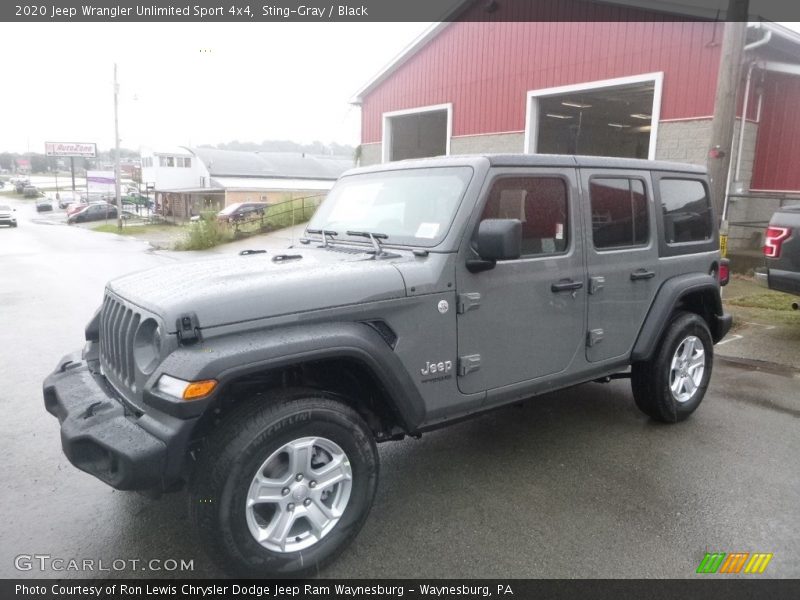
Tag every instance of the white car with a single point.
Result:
(7, 216)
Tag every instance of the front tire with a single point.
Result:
(671, 385)
(284, 484)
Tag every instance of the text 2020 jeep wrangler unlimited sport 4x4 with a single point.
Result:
(424, 291)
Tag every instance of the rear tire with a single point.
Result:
(670, 386)
(284, 484)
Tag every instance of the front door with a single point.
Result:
(525, 319)
(621, 257)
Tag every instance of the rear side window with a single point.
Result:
(687, 211)
(540, 203)
(619, 213)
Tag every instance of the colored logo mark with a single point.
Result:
(734, 562)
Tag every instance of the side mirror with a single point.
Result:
(498, 239)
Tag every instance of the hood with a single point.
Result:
(227, 290)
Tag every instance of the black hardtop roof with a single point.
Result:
(540, 160)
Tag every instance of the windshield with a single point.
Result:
(411, 206)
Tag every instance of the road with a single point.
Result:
(572, 484)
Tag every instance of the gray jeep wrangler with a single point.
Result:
(424, 292)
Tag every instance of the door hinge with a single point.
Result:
(596, 284)
(468, 364)
(594, 336)
(467, 302)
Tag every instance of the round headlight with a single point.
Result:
(147, 346)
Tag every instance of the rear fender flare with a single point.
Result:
(667, 299)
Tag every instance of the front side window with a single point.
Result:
(409, 206)
(686, 210)
(619, 213)
(540, 203)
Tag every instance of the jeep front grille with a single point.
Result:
(118, 324)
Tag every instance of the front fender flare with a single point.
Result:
(228, 358)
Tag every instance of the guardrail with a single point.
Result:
(282, 214)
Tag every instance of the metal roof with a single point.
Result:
(267, 184)
(662, 6)
(284, 165)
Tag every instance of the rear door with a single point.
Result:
(622, 258)
(524, 319)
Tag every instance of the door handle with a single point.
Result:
(566, 285)
(642, 274)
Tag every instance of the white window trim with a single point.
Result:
(386, 134)
(532, 105)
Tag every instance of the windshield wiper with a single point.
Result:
(324, 233)
(373, 237)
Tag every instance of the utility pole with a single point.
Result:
(726, 102)
(116, 145)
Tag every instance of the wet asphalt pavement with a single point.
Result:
(573, 484)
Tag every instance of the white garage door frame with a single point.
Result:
(386, 134)
(532, 105)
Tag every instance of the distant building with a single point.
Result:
(188, 181)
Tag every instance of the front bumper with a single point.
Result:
(103, 437)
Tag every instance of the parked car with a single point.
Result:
(66, 198)
(782, 252)
(44, 204)
(456, 285)
(74, 207)
(20, 185)
(97, 211)
(30, 191)
(137, 200)
(242, 211)
(7, 216)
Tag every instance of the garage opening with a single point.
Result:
(417, 133)
(609, 118)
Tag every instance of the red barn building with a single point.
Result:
(578, 77)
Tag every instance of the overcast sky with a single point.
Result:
(192, 83)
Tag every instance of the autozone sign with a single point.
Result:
(70, 149)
